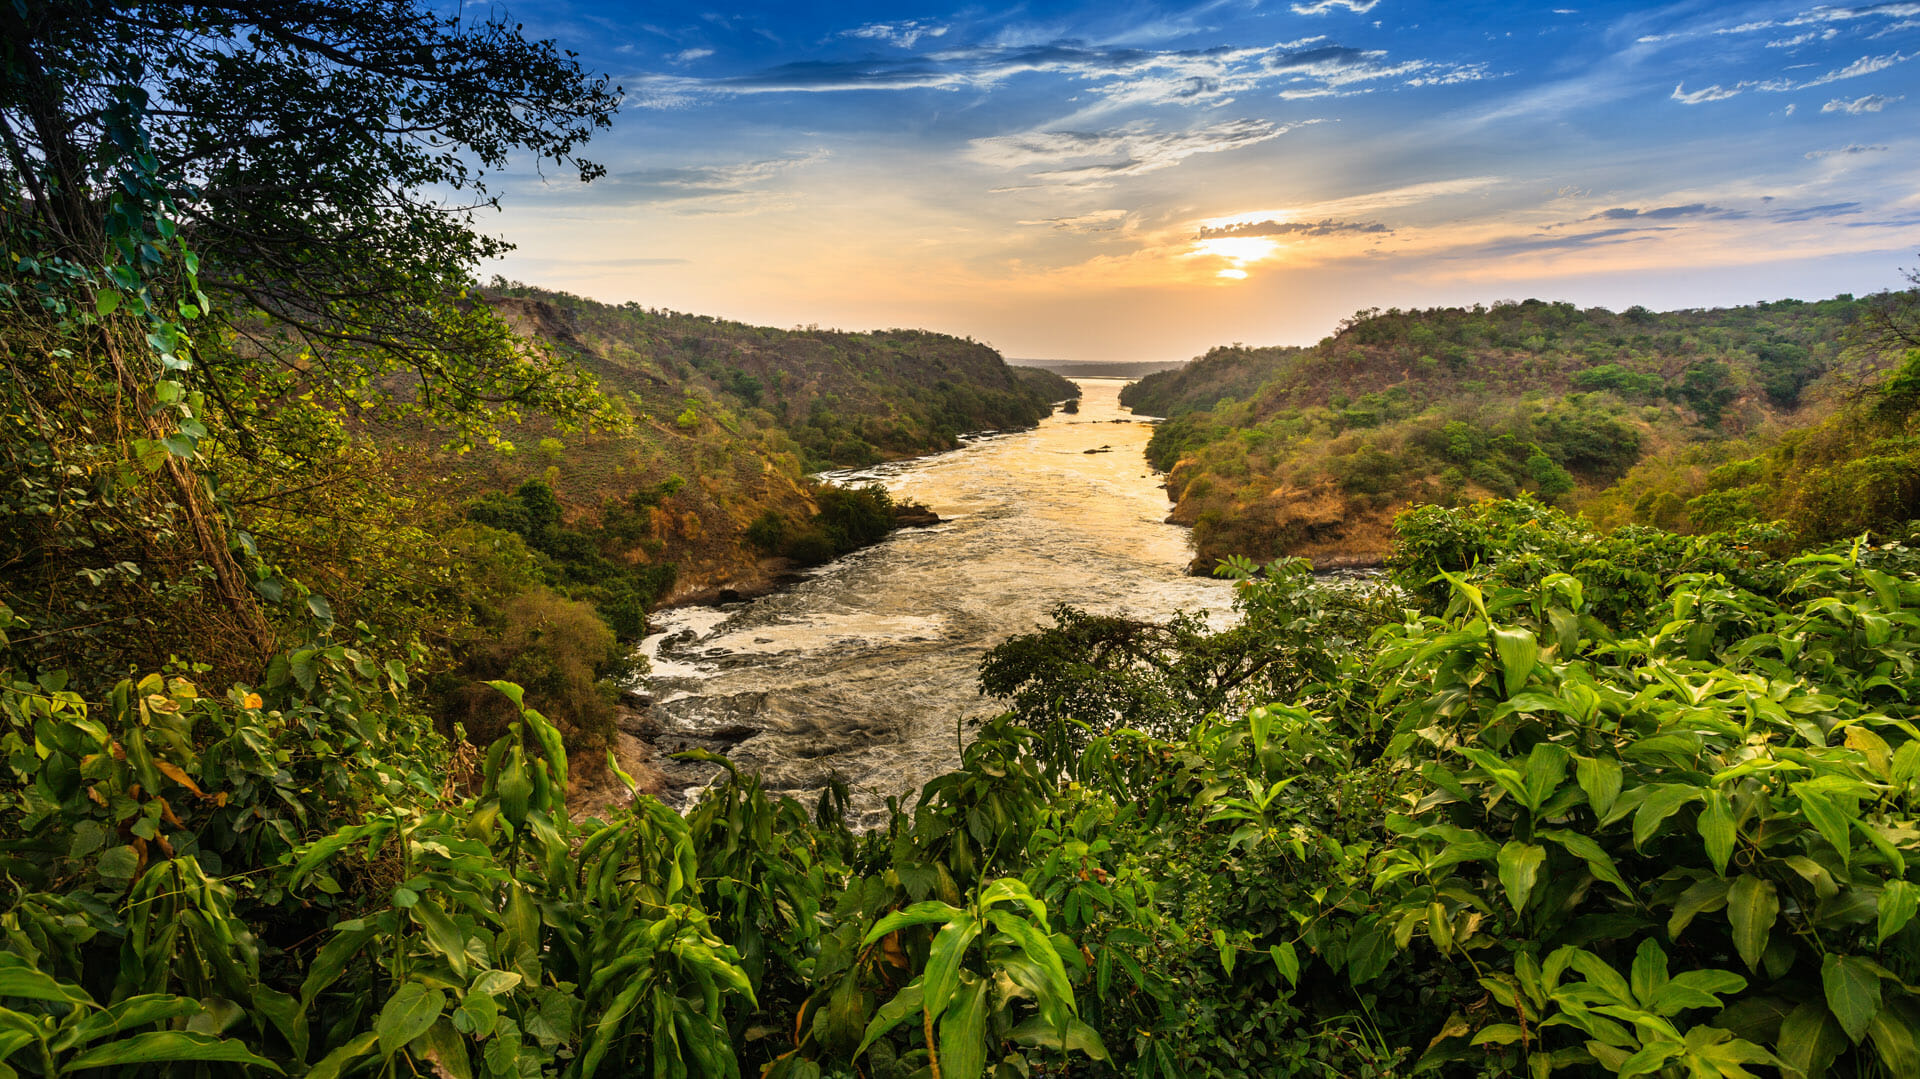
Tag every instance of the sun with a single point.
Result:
(1238, 252)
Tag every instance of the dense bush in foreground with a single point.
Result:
(1556, 812)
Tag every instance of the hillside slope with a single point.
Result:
(1312, 451)
(728, 423)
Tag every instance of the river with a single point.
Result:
(868, 667)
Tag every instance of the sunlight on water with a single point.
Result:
(868, 668)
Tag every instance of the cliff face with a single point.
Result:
(728, 421)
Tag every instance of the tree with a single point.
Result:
(228, 225)
(304, 146)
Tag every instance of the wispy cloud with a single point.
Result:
(1094, 221)
(1321, 7)
(696, 183)
(1097, 158)
(688, 56)
(905, 34)
(1661, 213)
(1817, 213)
(1118, 76)
(1327, 227)
(1869, 103)
(1847, 150)
(1866, 65)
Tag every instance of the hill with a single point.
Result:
(728, 424)
(1312, 451)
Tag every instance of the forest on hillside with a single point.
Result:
(1312, 451)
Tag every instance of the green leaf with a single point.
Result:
(321, 609)
(1518, 650)
(1600, 778)
(117, 863)
(334, 1063)
(1664, 802)
(890, 1014)
(1828, 818)
(442, 934)
(1717, 830)
(1519, 865)
(413, 1009)
(1546, 767)
(17, 979)
(1898, 902)
(1649, 972)
(1752, 906)
(963, 1032)
(1893, 1039)
(1704, 895)
(1287, 961)
(106, 303)
(1853, 993)
(1810, 1039)
(160, 1046)
(1079, 1038)
(944, 959)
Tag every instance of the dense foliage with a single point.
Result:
(1555, 802)
(1312, 451)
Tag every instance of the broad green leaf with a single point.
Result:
(445, 1051)
(1519, 865)
(1664, 802)
(1828, 818)
(1753, 905)
(1287, 961)
(1649, 972)
(1587, 850)
(1810, 1038)
(162, 1046)
(944, 959)
(28, 983)
(963, 1032)
(889, 1015)
(1893, 1039)
(1546, 767)
(928, 912)
(442, 934)
(1898, 902)
(1079, 1038)
(1704, 896)
(1853, 993)
(1517, 650)
(407, 1015)
(1600, 778)
(1717, 830)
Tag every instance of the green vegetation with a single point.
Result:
(1562, 803)
(1312, 451)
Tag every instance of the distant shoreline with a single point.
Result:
(1098, 368)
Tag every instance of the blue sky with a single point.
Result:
(1142, 181)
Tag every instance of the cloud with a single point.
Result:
(1716, 92)
(1869, 103)
(1849, 150)
(904, 34)
(1096, 158)
(1661, 213)
(1814, 213)
(1321, 7)
(688, 56)
(1095, 221)
(696, 182)
(1801, 39)
(1574, 240)
(1116, 76)
(1328, 227)
(1825, 15)
(1866, 65)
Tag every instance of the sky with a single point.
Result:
(1137, 181)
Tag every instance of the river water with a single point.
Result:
(868, 667)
